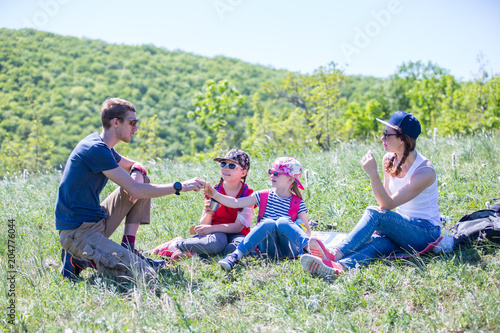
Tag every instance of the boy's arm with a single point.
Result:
(230, 228)
(206, 216)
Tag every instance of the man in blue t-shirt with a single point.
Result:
(84, 223)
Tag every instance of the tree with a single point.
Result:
(150, 144)
(317, 98)
(213, 105)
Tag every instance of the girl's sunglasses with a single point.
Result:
(231, 166)
(385, 134)
(275, 173)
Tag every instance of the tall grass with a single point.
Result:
(449, 292)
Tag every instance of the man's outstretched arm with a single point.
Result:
(142, 190)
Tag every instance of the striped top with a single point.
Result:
(278, 207)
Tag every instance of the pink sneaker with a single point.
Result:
(179, 255)
(319, 267)
(167, 249)
(318, 249)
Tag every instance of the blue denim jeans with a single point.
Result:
(280, 238)
(218, 242)
(395, 232)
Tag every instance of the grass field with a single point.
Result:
(456, 292)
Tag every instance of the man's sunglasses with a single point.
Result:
(231, 166)
(275, 173)
(385, 134)
(133, 121)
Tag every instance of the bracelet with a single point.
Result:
(139, 167)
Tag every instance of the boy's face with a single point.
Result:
(234, 174)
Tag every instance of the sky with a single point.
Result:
(366, 37)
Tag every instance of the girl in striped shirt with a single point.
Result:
(276, 234)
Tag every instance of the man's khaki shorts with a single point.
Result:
(91, 241)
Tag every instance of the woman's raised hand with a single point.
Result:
(369, 164)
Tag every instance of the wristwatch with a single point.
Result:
(177, 188)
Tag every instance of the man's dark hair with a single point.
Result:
(114, 107)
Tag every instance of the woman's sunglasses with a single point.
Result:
(275, 173)
(231, 166)
(385, 134)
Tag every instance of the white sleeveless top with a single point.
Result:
(423, 206)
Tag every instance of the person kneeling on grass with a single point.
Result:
(276, 234)
(410, 187)
(222, 230)
(84, 223)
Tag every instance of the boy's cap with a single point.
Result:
(289, 166)
(405, 122)
(238, 156)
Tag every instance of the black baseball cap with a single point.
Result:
(405, 122)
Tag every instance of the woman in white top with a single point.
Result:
(409, 188)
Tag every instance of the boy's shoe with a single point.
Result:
(229, 261)
(319, 267)
(179, 255)
(169, 248)
(318, 249)
(71, 267)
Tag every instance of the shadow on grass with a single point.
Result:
(472, 254)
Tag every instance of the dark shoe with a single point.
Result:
(71, 267)
(229, 261)
(155, 264)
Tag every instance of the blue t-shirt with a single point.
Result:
(278, 207)
(82, 182)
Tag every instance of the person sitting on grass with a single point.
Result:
(276, 234)
(409, 187)
(84, 223)
(220, 230)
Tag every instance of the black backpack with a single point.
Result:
(477, 226)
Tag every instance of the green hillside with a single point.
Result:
(60, 82)
(52, 86)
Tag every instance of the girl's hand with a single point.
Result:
(202, 230)
(208, 190)
(369, 164)
(208, 210)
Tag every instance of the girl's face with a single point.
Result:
(231, 171)
(391, 142)
(279, 180)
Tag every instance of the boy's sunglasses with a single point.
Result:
(275, 173)
(133, 121)
(385, 134)
(231, 166)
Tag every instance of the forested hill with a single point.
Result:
(52, 88)
(60, 83)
